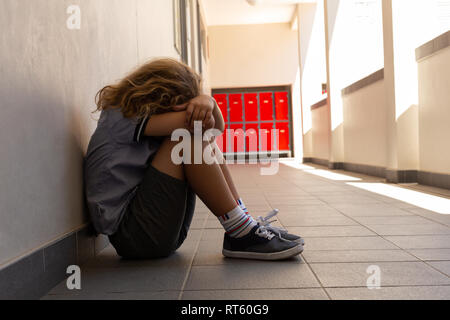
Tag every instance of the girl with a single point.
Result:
(142, 199)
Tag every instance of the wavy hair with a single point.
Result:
(155, 87)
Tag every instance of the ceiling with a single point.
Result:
(232, 12)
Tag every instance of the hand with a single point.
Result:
(198, 109)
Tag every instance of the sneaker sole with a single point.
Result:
(281, 255)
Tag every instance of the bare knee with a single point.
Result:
(163, 160)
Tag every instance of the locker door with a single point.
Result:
(235, 101)
(265, 137)
(283, 136)
(221, 100)
(237, 137)
(251, 137)
(251, 106)
(281, 106)
(266, 106)
(221, 140)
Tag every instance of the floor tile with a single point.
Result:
(309, 211)
(391, 293)
(211, 234)
(404, 230)
(295, 202)
(392, 220)
(213, 223)
(374, 210)
(210, 253)
(392, 274)
(260, 294)
(300, 221)
(431, 254)
(330, 199)
(431, 215)
(256, 275)
(443, 266)
(356, 256)
(129, 279)
(331, 231)
(108, 258)
(148, 295)
(198, 222)
(421, 242)
(347, 243)
(194, 235)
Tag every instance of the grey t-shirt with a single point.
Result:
(117, 158)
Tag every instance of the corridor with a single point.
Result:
(350, 97)
(347, 231)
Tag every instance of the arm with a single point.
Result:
(203, 108)
(161, 125)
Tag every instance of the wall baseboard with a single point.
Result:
(366, 169)
(320, 162)
(35, 274)
(439, 180)
(336, 165)
(401, 176)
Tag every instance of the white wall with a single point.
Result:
(434, 112)
(50, 75)
(321, 133)
(252, 55)
(313, 73)
(365, 126)
(354, 38)
(407, 24)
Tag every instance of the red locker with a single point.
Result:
(236, 138)
(235, 101)
(283, 136)
(265, 137)
(266, 106)
(251, 106)
(281, 106)
(251, 137)
(221, 100)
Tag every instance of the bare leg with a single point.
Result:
(207, 180)
(226, 173)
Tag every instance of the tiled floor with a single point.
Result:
(346, 230)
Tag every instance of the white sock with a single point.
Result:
(242, 205)
(237, 223)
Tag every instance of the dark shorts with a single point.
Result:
(158, 218)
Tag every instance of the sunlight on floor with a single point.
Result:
(319, 172)
(332, 175)
(296, 165)
(419, 199)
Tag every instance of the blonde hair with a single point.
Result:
(155, 87)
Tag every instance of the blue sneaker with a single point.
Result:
(282, 233)
(260, 244)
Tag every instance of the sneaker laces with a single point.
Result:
(263, 232)
(266, 222)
